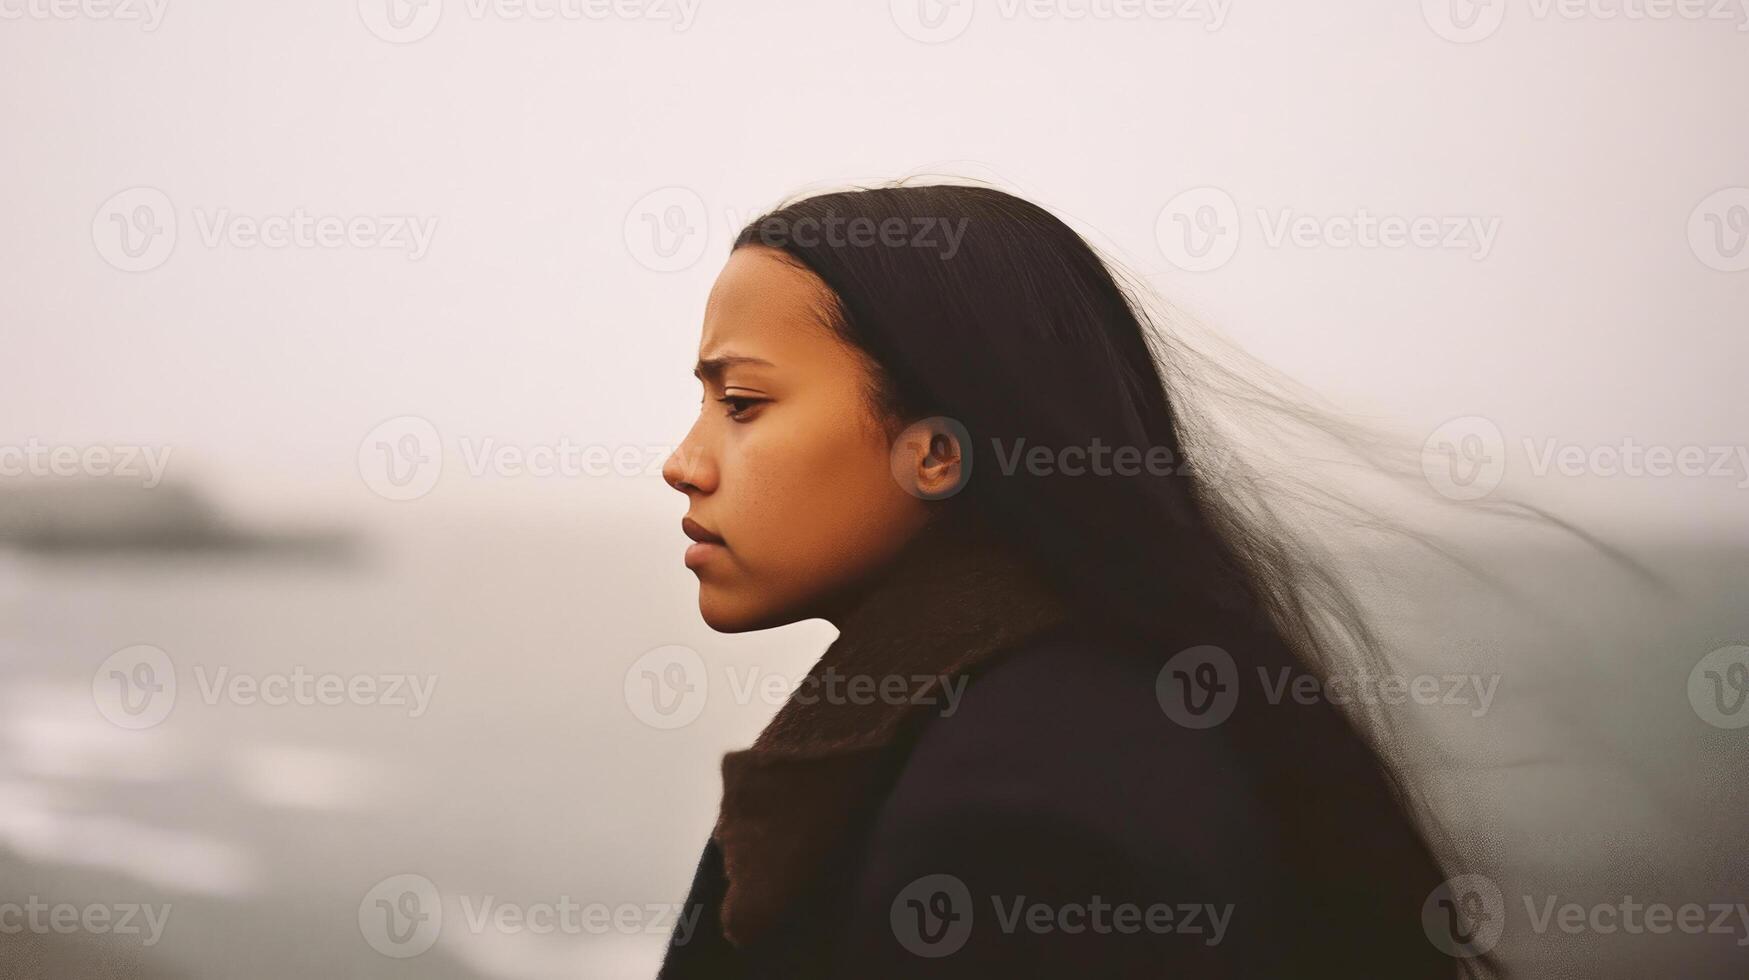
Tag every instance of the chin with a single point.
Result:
(723, 615)
(727, 614)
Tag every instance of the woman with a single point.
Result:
(933, 417)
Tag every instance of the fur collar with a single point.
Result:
(952, 600)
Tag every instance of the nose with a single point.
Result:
(688, 468)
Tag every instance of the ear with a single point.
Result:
(931, 458)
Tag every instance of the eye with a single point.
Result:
(739, 406)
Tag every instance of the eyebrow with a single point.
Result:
(713, 367)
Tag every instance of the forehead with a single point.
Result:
(763, 304)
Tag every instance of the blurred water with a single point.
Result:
(526, 778)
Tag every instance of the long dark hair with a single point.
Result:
(981, 307)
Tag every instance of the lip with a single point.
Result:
(700, 552)
(705, 542)
(698, 532)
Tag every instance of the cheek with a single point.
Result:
(821, 504)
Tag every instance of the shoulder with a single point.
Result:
(1055, 787)
(1068, 728)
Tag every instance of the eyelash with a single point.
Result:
(745, 402)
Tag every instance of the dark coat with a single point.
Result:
(1059, 822)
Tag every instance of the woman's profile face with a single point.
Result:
(787, 464)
